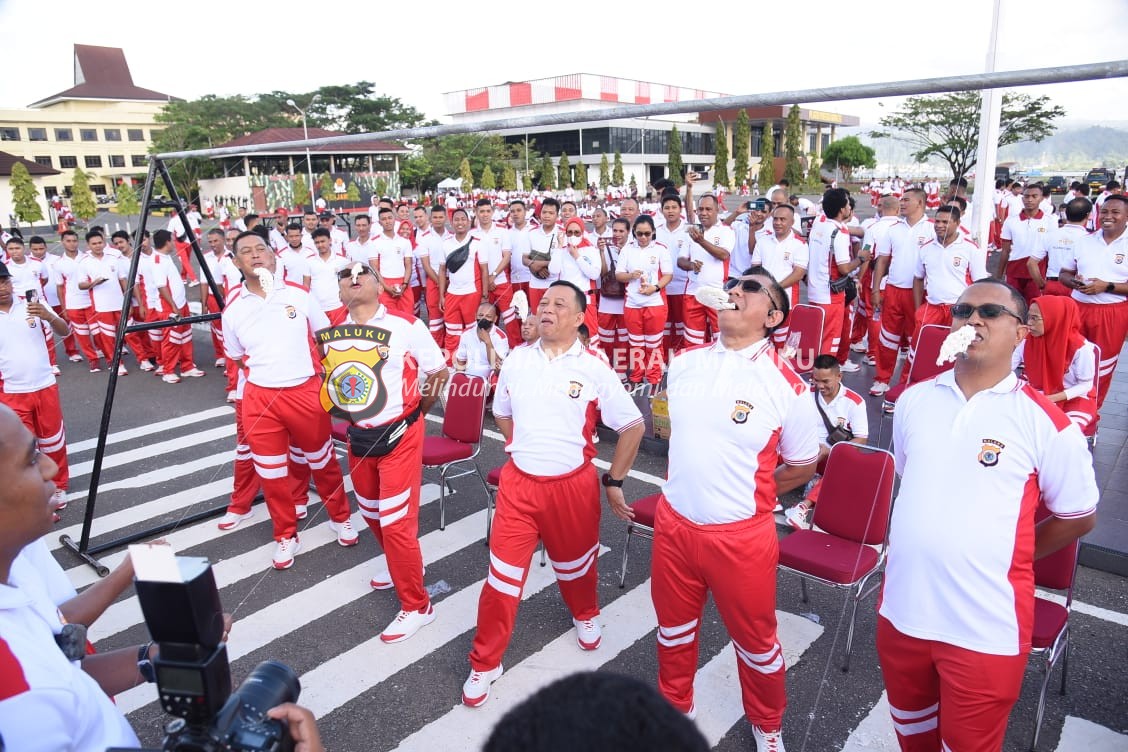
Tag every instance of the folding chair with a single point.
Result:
(929, 340)
(642, 525)
(493, 479)
(807, 321)
(1050, 639)
(852, 515)
(461, 436)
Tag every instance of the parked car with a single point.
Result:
(1057, 185)
(1098, 178)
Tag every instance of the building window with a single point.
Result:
(136, 134)
(36, 134)
(88, 134)
(139, 160)
(154, 133)
(50, 191)
(98, 189)
(112, 134)
(45, 161)
(93, 161)
(64, 134)
(68, 163)
(117, 160)
(9, 134)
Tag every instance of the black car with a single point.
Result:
(1056, 185)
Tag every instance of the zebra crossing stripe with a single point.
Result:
(151, 428)
(161, 475)
(148, 451)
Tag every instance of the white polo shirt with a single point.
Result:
(733, 414)
(108, 296)
(465, 280)
(1027, 234)
(961, 543)
(779, 257)
(323, 281)
(1060, 247)
(902, 242)
(654, 262)
(828, 239)
(232, 277)
(391, 255)
(24, 366)
(70, 274)
(32, 274)
(410, 353)
(677, 241)
(518, 247)
(551, 242)
(148, 280)
(876, 228)
(472, 350)
(361, 252)
(165, 274)
(553, 405)
(948, 270)
(847, 409)
(50, 286)
(292, 265)
(714, 271)
(494, 243)
(272, 334)
(1097, 259)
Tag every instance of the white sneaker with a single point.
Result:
(301, 510)
(595, 437)
(231, 520)
(55, 370)
(860, 347)
(76, 358)
(869, 360)
(588, 633)
(194, 283)
(849, 367)
(146, 366)
(767, 741)
(195, 373)
(476, 688)
(231, 396)
(122, 371)
(220, 362)
(778, 506)
(285, 552)
(170, 378)
(879, 388)
(798, 516)
(95, 369)
(691, 714)
(59, 499)
(346, 536)
(407, 623)
(382, 579)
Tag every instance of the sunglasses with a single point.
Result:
(346, 273)
(572, 234)
(985, 311)
(645, 234)
(750, 285)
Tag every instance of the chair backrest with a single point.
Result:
(465, 408)
(807, 320)
(856, 494)
(929, 341)
(1057, 570)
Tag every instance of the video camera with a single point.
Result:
(193, 675)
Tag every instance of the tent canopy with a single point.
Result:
(450, 183)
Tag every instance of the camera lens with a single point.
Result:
(271, 683)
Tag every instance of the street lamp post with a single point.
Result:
(305, 135)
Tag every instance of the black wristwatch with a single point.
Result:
(609, 482)
(1110, 287)
(144, 665)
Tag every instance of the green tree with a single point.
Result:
(617, 170)
(581, 176)
(848, 154)
(437, 159)
(721, 156)
(466, 175)
(353, 194)
(325, 185)
(947, 125)
(127, 200)
(489, 183)
(508, 178)
(547, 173)
(564, 170)
(741, 143)
(82, 198)
(417, 171)
(25, 196)
(349, 108)
(814, 177)
(767, 159)
(604, 173)
(793, 147)
(301, 191)
(673, 158)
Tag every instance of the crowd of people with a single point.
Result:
(565, 313)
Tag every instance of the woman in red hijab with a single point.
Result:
(584, 260)
(1058, 361)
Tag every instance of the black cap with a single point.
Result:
(325, 215)
(4, 273)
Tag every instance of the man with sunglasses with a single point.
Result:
(976, 449)
(736, 409)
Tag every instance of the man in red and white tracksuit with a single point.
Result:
(736, 410)
(77, 308)
(1061, 246)
(38, 248)
(138, 342)
(430, 249)
(705, 260)
(392, 259)
(102, 274)
(545, 242)
(27, 385)
(1022, 235)
(828, 247)
(30, 274)
(176, 345)
(545, 403)
(892, 291)
(494, 245)
(784, 254)
(325, 267)
(1098, 275)
(268, 330)
(398, 348)
(213, 259)
(519, 274)
(867, 319)
(672, 234)
(957, 606)
(460, 288)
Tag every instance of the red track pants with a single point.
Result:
(700, 322)
(247, 483)
(41, 412)
(1105, 326)
(675, 322)
(897, 322)
(645, 327)
(80, 320)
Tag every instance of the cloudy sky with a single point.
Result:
(744, 48)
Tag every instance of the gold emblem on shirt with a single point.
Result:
(740, 412)
(575, 388)
(291, 312)
(990, 451)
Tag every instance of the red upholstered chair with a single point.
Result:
(1050, 640)
(807, 321)
(928, 343)
(641, 525)
(461, 437)
(852, 518)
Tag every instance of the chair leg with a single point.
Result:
(1065, 658)
(854, 598)
(803, 588)
(442, 497)
(1041, 709)
(626, 552)
(544, 554)
(489, 516)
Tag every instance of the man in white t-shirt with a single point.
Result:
(392, 262)
(545, 242)
(429, 249)
(291, 257)
(324, 267)
(828, 245)
(495, 247)
(672, 234)
(978, 452)
(1061, 246)
(945, 268)
(176, 346)
(461, 268)
(1024, 232)
(31, 274)
(706, 261)
(103, 274)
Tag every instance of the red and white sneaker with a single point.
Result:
(476, 689)
(285, 552)
(232, 520)
(382, 579)
(767, 741)
(59, 499)
(192, 373)
(346, 536)
(588, 633)
(407, 623)
(301, 511)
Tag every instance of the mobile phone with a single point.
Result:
(760, 205)
(31, 296)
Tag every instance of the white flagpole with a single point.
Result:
(983, 206)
